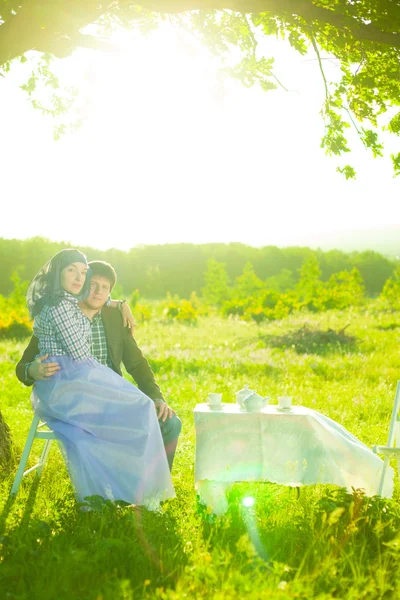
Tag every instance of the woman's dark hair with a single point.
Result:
(46, 289)
(104, 269)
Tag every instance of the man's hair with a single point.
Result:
(104, 269)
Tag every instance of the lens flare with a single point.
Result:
(248, 501)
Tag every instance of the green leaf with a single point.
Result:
(370, 139)
(396, 163)
(347, 171)
(394, 124)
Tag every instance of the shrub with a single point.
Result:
(256, 313)
(15, 325)
(342, 290)
(179, 310)
(134, 299)
(143, 313)
(269, 298)
(235, 307)
(187, 313)
(283, 308)
(199, 305)
(269, 306)
(14, 317)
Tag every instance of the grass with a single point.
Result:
(325, 544)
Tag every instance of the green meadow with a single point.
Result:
(323, 543)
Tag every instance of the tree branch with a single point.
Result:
(39, 24)
(316, 50)
(66, 45)
(305, 9)
(33, 28)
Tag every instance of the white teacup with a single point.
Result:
(284, 401)
(214, 400)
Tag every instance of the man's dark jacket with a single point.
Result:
(121, 348)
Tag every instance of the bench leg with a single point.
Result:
(43, 457)
(25, 456)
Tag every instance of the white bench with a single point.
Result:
(392, 450)
(35, 432)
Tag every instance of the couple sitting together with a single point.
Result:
(118, 440)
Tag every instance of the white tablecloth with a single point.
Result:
(295, 448)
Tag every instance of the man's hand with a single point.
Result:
(164, 411)
(39, 371)
(127, 317)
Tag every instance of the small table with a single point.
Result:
(292, 447)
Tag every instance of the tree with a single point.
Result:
(344, 289)
(364, 37)
(375, 269)
(391, 290)
(247, 284)
(216, 291)
(283, 282)
(310, 285)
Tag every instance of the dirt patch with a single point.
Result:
(312, 341)
(389, 327)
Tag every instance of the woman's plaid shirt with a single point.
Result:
(63, 330)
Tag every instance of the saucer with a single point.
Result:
(284, 409)
(215, 407)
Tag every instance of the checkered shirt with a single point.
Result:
(63, 330)
(99, 348)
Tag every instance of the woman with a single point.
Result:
(109, 431)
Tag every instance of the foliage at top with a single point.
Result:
(364, 38)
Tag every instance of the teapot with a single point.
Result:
(241, 395)
(255, 402)
(250, 400)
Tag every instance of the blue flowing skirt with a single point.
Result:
(109, 432)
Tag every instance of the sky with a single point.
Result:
(171, 150)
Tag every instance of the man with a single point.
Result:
(112, 343)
